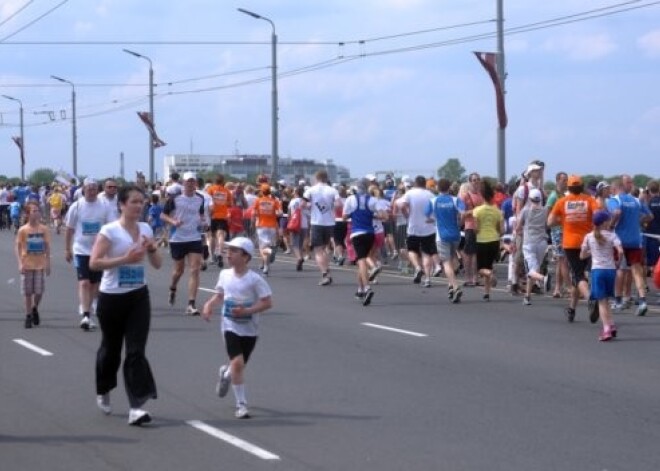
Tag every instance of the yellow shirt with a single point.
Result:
(489, 219)
(33, 246)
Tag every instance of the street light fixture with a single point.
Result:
(274, 109)
(73, 122)
(22, 146)
(151, 111)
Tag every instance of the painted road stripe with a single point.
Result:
(392, 329)
(232, 440)
(34, 348)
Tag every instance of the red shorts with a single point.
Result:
(633, 256)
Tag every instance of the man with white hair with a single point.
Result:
(83, 221)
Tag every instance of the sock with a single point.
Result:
(324, 275)
(367, 288)
(85, 314)
(239, 393)
(191, 302)
(618, 299)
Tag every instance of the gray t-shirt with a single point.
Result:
(534, 219)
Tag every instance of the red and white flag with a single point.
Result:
(489, 61)
(19, 142)
(146, 119)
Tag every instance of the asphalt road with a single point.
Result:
(408, 383)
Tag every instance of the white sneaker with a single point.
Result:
(641, 310)
(224, 381)
(438, 271)
(527, 301)
(138, 417)
(242, 412)
(103, 403)
(87, 324)
(192, 311)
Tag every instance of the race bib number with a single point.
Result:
(36, 244)
(91, 227)
(131, 276)
(227, 307)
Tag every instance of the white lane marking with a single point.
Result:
(232, 440)
(208, 290)
(34, 348)
(392, 329)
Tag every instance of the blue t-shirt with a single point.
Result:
(20, 194)
(654, 208)
(155, 210)
(14, 209)
(446, 209)
(628, 226)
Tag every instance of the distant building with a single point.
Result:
(249, 166)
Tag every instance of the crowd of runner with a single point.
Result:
(596, 241)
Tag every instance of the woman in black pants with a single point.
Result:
(124, 311)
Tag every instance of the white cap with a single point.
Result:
(90, 181)
(242, 243)
(370, 176)
(535, 195)
(189, 176)
(282, 182)
(406, 179)
(302, 182)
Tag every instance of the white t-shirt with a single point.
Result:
(418, 200)
(124, 278)
(304, 220)
(86, 219)
(602, 256)
(190, 211)
(113, 205)
(322, 199)
(241, 291)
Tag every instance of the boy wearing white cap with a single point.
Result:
(243, 294)
(533, 226)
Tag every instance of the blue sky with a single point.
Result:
(583, 97)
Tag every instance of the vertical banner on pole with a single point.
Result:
(489, 61)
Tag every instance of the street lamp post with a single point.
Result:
(151, 111)
(22, 146)
(73, 122)
(274, 109)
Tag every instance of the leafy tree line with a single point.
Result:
(454, 171)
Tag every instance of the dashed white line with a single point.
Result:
(33, 347)
(233, 440)
(392, 329)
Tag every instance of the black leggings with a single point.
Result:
(125, 317)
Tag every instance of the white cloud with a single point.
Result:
(650, 43)
(582, 48)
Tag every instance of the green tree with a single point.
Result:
(42, 176)
(640, 180)
(452, 170)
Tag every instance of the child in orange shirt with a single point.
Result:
(33, 255)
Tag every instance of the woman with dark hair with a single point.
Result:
(489, 227)
(124, 310)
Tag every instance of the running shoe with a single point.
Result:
(138, 417)
(325, 281)
(192, 310)
(29, 321)
(368, 296)
(373, 273)
(418, 276)
(36, 320)
(271, 255)
(641, 309)
(486, 297)
(605, 335)
(242, 412)
(85, 323)
(299, 264)
(224, 380)
(427, 283)
(220, 262)
(527, 301)
(204, 266)
(359, 295)
(457, 294)
(171, 299)
(450, 291)
(613, 330)
(617, 307)
(593, 310)
(570, 314)
(438, 271)
(103, 403)
(341, 261)
(265, 270)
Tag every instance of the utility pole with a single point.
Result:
(501, 73)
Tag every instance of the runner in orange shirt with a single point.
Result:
(222, 201)
(266, 210)
(574, 213)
